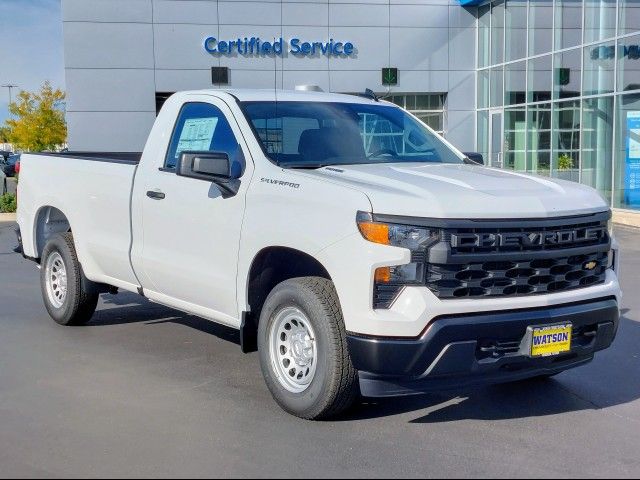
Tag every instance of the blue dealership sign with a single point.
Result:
(632, 170)
(254, 46)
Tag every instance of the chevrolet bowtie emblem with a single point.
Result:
(590, 265)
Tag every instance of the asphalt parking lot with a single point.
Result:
(11, 185)
(148, 391)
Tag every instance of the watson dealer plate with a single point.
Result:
(550, 340)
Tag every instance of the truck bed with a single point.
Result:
(91, 191)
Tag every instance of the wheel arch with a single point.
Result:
(271, 266)
(49, 221)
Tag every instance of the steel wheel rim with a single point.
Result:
(293, 349)
(56, 280)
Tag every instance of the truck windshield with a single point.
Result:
(317, 134)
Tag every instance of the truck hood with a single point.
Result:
(463, 191)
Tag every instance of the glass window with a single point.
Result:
(428, 107)
(516, 30)
(539, 136)
(597, 142)
(566, 82)
(201, 127)
(497, 94)
(539, 74)
(515, 133)
(483, 89)
(599, 69)
(568, 23)
(565, 163)
(629, 16)
(599, 20)
(627, 153)
(322, 134)
(629, 64)
(483, 134)
(497, 32)
(540, 26)
(484, 16)
(515, 83)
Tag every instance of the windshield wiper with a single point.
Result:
(304, 165)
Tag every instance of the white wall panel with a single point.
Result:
(249, 13)
(109, 131)
(356, 15)
(185, 11)
(423, 16)
(110, 90)
(460, 128)
(314, 14)
(371, 48)
(108, 45)
(462, 91)
(420, 48)
(106, 11)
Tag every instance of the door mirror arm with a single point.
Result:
(228, 188)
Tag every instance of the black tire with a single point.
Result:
(81, 299)
(334, 387)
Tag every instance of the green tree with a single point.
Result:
(4, 134)
(38, 120)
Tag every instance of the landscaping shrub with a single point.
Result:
(8, 203)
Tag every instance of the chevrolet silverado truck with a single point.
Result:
(355, 249)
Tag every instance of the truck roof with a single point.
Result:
(257, 95)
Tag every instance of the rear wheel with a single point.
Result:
(303, 349)
(68, 295)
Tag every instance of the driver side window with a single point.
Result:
(201, 127)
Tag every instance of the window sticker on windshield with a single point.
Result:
(196, 135)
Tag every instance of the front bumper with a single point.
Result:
(473, 349)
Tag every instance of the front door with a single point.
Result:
(191, 233)
(496, 153)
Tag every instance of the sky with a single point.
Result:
(31, 50)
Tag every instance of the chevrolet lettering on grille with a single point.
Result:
(531, 239)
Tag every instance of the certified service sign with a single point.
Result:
(254, 46)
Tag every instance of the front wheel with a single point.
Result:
(303, 349)
(67, 294)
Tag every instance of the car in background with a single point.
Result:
(3, 183)
(8, 164)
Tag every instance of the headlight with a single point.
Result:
(415, 239)
(405, 236)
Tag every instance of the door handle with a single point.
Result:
(155, 195)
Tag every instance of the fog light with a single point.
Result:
(410, 273)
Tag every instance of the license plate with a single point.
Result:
(551, 340)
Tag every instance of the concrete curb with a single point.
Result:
(628, 219)
(7, 217)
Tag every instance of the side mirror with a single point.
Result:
(214, 167)
(475, 157)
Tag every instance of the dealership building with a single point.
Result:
(542, 86)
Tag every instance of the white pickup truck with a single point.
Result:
(354, 248)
